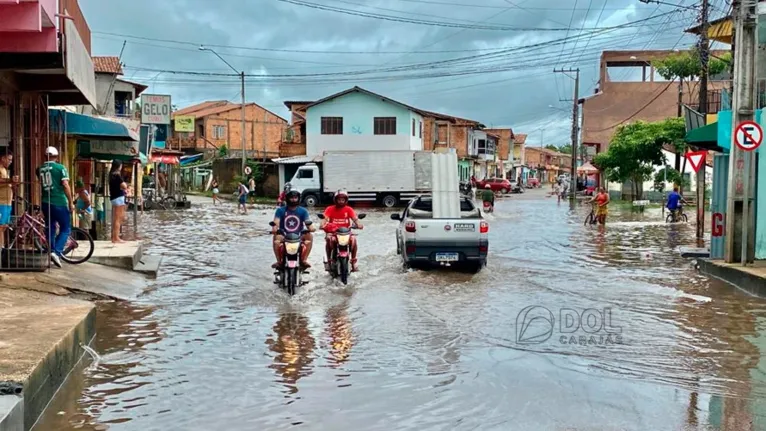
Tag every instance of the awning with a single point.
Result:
(187, 160)
(88, 127)
(588, 169)
(110, 150)
(704, 137)
(167, 159)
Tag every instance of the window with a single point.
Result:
(219, 132)
(413, 127)
(385, 126)
(306, 173)
(421, 130)
(332, 125)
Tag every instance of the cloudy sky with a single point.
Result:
(487, 60)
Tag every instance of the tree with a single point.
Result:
(637, 147)
(223, 151)
(669, 174)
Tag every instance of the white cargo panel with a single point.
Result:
(369, 171)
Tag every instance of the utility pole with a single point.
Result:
(244, 145)
(704, 53)
(575, 129)
(743, 109)
(242, 77)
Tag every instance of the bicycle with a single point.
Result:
(29, 230)
(164, 203)
(591, 219)
(676, 216)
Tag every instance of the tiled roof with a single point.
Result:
(107, 65)
(200, 106)
(521, 138)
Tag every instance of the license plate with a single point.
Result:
(465, 227)
(292, 263)
(447, 257)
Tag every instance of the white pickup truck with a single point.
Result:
(424, 240)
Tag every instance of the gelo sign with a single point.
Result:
(155, 109)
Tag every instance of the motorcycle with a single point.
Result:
(517, 189)
(338, 266)
(289, 276)
(488, 208)
(466, 189)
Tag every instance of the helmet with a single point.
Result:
(288, 187)
(51, 151)
(293, 197)
(487, 186)
(340, 194)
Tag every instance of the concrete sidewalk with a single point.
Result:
(40, 342)
(44, 322)
(749, 278)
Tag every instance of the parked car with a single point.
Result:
(533, 183)
(497, 185)
(422, 239)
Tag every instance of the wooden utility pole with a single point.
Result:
(575, 130)
(704, 54)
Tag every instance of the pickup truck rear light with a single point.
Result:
(484, 227)
(409, 226)
(483, 249)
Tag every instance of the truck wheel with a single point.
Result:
(310, 201)
(389, 201)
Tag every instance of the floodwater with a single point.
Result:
(214, 345)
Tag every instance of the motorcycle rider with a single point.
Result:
(291, 219)
(488, 197)
(281, 198)
(341, 215)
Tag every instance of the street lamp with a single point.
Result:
(242, 77)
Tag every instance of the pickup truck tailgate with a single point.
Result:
(447, 230)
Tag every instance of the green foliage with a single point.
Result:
(687, 65)
(637, 147)
(223, 151)
(257, 171)
(565, 149)
(671, 175)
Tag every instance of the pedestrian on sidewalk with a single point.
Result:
(6, 191)
(242, 196)
(214, 185)
(84, 207)
(117, 192)
(251, 186)
(57, 204)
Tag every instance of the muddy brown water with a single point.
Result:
(212, 344)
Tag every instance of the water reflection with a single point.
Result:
(341, 338)
(293, 347)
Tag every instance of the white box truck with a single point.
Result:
(387, 178)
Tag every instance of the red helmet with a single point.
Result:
(340, 194)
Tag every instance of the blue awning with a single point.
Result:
(87, 127)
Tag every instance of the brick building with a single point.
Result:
(219, 123)
(617, 102)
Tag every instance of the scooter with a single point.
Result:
(466, 189)
(338, 267)
(289, 276)
(488, 208)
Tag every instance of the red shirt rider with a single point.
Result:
(341, 217)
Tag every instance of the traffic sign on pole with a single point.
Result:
(748, 135)
(696, 159)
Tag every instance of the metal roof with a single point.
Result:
(297, 160)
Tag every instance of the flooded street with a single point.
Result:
(213, 344)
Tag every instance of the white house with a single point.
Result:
(358, 120)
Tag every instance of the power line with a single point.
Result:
(423, 22)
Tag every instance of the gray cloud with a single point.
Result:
(518, 98)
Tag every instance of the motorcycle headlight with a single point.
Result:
(292, 247)
(343, 239)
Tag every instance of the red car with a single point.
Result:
(496, 184)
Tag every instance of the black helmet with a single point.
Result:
(293, 197)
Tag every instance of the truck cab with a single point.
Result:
(307, 181)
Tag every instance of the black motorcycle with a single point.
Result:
(341, 255)
(289, 275)
(466, 189)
